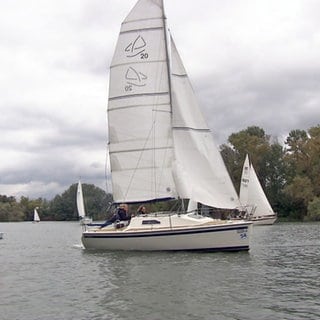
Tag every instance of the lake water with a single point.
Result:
(45, 274)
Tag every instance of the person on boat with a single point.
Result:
(122, 214)
(141, 210)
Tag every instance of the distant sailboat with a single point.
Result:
(253, 197)
(36, 217)
(80, 206)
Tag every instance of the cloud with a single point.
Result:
(251, 63)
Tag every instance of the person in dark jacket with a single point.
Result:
(122, 214)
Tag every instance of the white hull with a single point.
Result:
(263, 220)
(185, 233)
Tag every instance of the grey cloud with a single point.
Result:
(54, 75)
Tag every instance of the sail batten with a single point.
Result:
(124, 64)
(140, 30)
(191, 129)
(138, 150)
(138, 95)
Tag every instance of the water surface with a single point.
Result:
(45, 274)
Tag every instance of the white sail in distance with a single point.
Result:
(251, 192)
(80, 201)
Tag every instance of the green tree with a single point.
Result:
(252, 141)
(63, 207)
(266, 157)
(28, 206)
(313, 210)
(314, 156)
(296, 153)
(10, 210)
(96, 201)
(301, 193)
(303, 160)
(233, 164)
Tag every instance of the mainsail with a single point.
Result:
(139, 109)
(160, 146)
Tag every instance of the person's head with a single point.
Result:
(142, 209)
(124, 206)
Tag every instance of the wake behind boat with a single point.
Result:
(161, 147)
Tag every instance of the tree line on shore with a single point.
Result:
(61, 208)
(289, 175)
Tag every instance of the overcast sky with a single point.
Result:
(251, 62)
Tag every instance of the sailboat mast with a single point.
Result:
(166, 41)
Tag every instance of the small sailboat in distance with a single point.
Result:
(253, 197)
(80, 206)
(36, 217)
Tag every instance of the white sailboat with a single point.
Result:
(80, 206)
(161, 147)
(36, 217)
(253, 197)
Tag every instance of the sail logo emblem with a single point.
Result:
(137, 48)
(134, 78)
(245, 182)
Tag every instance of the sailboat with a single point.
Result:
(161, 148)
(80, 206)
(36, 217)
(253, 197)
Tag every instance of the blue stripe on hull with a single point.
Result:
(228, 249)
(214, 249)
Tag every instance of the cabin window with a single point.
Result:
(151, 222)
